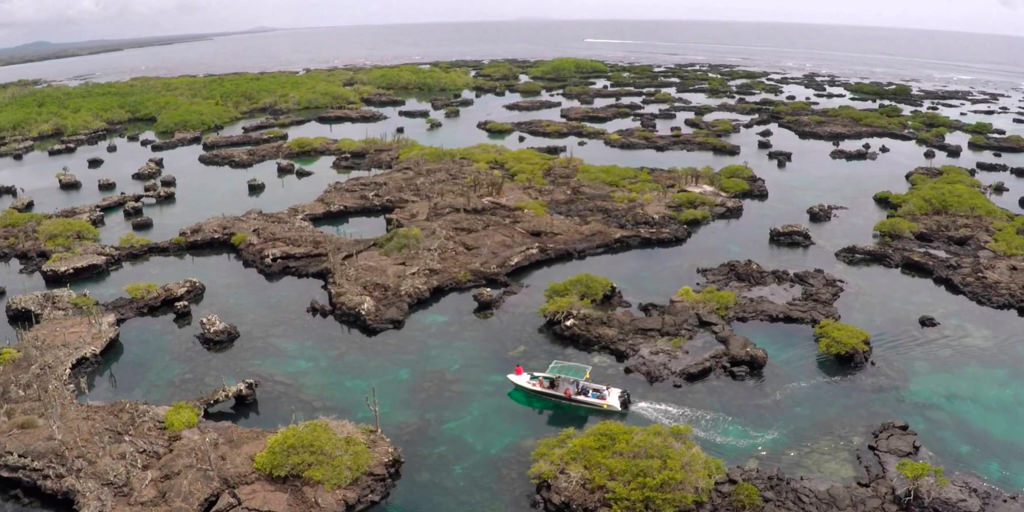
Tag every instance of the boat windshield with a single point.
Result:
(571, 370)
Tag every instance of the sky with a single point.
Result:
(23, 21)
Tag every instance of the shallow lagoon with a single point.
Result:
(440, 379)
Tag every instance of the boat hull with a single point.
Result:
(612, 403)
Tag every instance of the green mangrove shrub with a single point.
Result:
(181, 416)
(315, 451)
(838, 339)
(655, 468)
(578, 292)
(141, 290)
(133, 240)
(60, 233)
(9, 355)
(746, 496)
(719, 301)
(399, 240)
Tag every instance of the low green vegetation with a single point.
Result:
(737, 171)
(838, 339)
(9, 355)
(315, 451)
(733, 186)
(398, 241)
(178, 240)
(133, 240)
(876, 90)
(565, 68)
(528, 88)
(1007, 239)
(83, 302)
(172, 104)
(719, 301)
(655, 468)
(746, 496)
(499, 70)
(535, 206)
(918, 472)
(692, 216)
(181, 416)
(15, 219)
(141, 290)
(307, 144)
(522, 165)
(895, 227)
(238, 239)
(578, 292)
(416, 78)
(498, 128)
(691, 200)
(875, 118)
(60, 233)
(627, 178)
(952, 192)
(979, 128)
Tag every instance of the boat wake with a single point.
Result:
(708, 425)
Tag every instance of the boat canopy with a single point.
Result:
(571, 370)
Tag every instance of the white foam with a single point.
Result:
(709, 425)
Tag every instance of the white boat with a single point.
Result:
(570, 383)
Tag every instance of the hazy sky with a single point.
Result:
(70, 20)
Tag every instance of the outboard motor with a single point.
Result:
(624, 400)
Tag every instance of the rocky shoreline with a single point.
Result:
(687, 339)
(879, 486)
(119, 456)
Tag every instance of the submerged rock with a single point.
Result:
(928, 321)
(790, 235)
(216, 332)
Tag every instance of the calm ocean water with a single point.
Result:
(931, 56)
(440, 378)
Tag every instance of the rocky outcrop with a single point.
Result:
(380, 99)
(790, 235)
(927, 321)
(855, 154)
(70, 267)
(822, 212)
(632, 138)
(22, 204)
(275, 122)
(1010, 144)
(118, 456)
(94, 162)
(149, 171)
(105, 184)
(601, 114)
(532, 105)
(415, 113)
(878, 486)
(255, 185)
(216, 333)
(688, 340)
(180, 139)
(351, 115)
(189, 291)
(248, 139)
(68, 181)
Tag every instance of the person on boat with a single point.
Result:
(519, 369)
(568, 393)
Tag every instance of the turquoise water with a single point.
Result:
(440, 380)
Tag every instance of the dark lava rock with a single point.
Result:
(132, 208)
(216, 332)
(181, 308)
(765, 133)
(61, 149)
(780, 155)
(997, 154)
(992, 167)
(255, 185)
(94, 162)
(73, 267)
(180, 139)
(866, 145)
(146, 142)
(487, 298)
(302, 172)
(379, 99)
(883, 149)
(133, 137)
(822, 212)
(8, 190)
(317, 308)
(246, 139)
(111, 147)
(150, 186)
(553, 150)
(764, 144)
(96, 218)
(415, 113)
(22, 204)
(790, 235)
(857, 154)
(285, 167)
(142, 223)
(929, 153)
(400, 129)
(168, 180)
(522, 138)
(928, 321)
(532, 105)
(157, 161)
(149, 171)
(999, 187)
(68, 181)
(351, 115)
